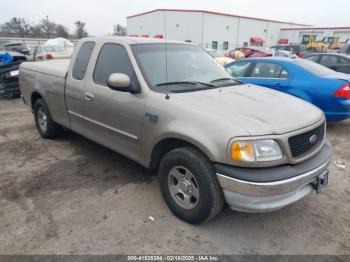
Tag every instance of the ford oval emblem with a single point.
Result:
(313, 139)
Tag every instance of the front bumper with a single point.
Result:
(269, 189)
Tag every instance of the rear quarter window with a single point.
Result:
(82, 60)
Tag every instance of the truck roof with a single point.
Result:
(133, 40)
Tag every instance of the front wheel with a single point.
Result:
(189, 185)
(46, 126)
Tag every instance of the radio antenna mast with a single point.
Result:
(166, 51)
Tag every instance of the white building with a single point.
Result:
(294, 35)
(208, 29)
(222, 31)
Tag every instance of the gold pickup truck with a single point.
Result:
(170, 107)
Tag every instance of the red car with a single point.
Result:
(250, 52)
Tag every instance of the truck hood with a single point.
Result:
(255, 109)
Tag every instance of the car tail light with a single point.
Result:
(301, 55)
(343, 92)
(49, 56)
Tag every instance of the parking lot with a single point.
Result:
(72, 196)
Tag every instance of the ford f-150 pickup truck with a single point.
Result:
(170, 107)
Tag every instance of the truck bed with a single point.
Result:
(56, 68)
(46, 79)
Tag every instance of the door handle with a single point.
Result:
(89, 96)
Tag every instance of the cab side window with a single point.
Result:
(113, 58)
(82, 60)
(268, 70)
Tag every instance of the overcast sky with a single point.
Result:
(101, 15)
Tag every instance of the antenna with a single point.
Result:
(166, 51)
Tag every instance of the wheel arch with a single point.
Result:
(34, 97)
(165, 145)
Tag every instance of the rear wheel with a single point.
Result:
(189, 185)
(46, 126)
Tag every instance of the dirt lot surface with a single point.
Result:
(72, 196)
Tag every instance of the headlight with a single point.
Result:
(256, 151)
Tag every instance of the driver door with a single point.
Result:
(114, 118)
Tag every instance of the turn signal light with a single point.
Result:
(49, 56)
(241, 151)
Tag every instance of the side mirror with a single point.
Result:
(119, 82)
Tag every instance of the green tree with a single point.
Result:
(80, 30)
(119, 30)
(48, 28)
(17, 27)
(35, 31)
(61, 31)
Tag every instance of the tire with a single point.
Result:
(47, 128)
(206, 196)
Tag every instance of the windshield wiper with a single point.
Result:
(222, 79)
(236, 82)
(186, 83)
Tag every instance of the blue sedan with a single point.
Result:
(325, 88)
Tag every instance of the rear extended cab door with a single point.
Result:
(75, 85)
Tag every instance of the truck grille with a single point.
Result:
(306, 142)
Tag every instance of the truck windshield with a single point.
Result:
(179, 67)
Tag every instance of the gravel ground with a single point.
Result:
(72, 196)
